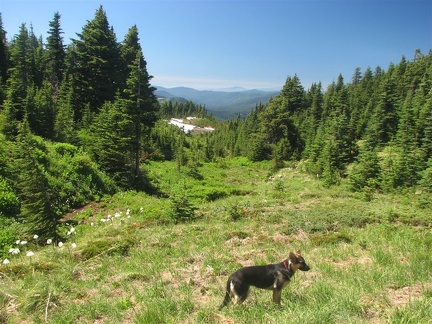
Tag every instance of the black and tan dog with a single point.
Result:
(271, 276)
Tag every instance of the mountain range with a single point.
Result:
(222, 104)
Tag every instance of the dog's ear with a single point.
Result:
(292, 257)
(298, 252)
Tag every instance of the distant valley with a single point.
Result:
(224, 104)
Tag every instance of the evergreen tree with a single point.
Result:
(383, 125)
(18, 81)
(55, 53)
(109, 144)
(41, 110)
(366, 171)
(64, 126)
(97, 64)
(129, 49)
(294, 94)
(4, 61)
(38, 210)
(139, 99)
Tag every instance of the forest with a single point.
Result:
(79, 121)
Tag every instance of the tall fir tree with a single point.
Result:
(18, 82)
(55, 53)
(38, 208)
(4, 62)
(97, 64)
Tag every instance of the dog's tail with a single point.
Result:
(227, 295)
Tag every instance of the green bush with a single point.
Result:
(65, 148)
(9, 204)
(182, 210)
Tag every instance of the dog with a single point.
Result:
(271, 276)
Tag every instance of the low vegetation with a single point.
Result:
(131, 259)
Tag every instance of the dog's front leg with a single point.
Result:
(279, 283)
(277, 293)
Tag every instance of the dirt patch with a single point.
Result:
(403, 296)
(363, 260)
(93, 206)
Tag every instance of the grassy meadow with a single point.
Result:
(127, 259)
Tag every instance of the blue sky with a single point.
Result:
(214, 44)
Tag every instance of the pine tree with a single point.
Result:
(38, 210)
(97, 64)
(109, 144)
(64, 125)
(55, 53)
(383, 125)
(4, 61)
(293, 93)
(18, 81)
(139, 98)
(366, 171)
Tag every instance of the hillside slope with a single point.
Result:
(127, 261)
(222, 104)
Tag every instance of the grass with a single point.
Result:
(370, 260)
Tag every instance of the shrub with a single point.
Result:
(181, 209)
(9, 204)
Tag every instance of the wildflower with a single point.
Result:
(128, 211)
(117, 215)
(103, 220)
(14, 251)
(17, 242)
(35, 237)
(6, 262)
(109, 216)
(141, 210)
(49, 241)
(23, 242)
(91, 224)
(60, 244)
(73, 245)
(72, 230)
(30, 253)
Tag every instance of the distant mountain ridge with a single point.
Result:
(224, 104)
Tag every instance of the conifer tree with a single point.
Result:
(38, 210)
(109, 143)
(383, 125)
(18, 81)
(97, 64)
(138, 96)
(55, 53)
(293, 93)
(64, 125)
(4, 61)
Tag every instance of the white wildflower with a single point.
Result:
(91, 224)
(23, 242)
(17, 242)
(128, 211)
(141, 210)
(6, 262)
(14, 251)
(30, 253)
(72, 230)
(117, 215)
(103, 220)
(60, 244)
(73, 245)
(49, 241)
(35, 237)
